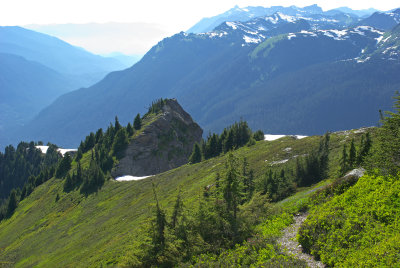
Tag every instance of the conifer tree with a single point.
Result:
(386, 157)
(176, 213)
(120, 143)
(68, 183)
(352, 155)
(218, 181)
(232, 192)
(129, 129)
(117, 124)
(228, 142)
(90, 142)
(344, 161)
(64, 166)
(137, 122)
(250, 185)
(158, 237)
(299, 171)
(258, 135)
(365, 146)
(99, 135)
(78, 154)
(12, 203)
(195, 157)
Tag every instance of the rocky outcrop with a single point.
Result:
(164, 144)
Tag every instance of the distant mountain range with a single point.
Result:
(248, 13)
(26, 87)
(36, 69)
(282, 73)
(74, 62)
(129, 38)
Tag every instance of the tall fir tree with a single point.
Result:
(195, 157)
(117, 124)
(232, 193)
(343, 161)
(352, 155)
(121, 141)
(64, 166)
(12, 203)
(129, 129)
(386, 157)
(137, 122)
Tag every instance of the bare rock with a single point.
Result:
(164, 144)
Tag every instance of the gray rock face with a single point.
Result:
(166, 143)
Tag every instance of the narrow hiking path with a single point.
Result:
(289, 244)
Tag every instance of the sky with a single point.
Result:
(149, 20)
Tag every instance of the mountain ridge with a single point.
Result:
(207, 86)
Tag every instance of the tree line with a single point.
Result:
(232, 137)
(21, 170)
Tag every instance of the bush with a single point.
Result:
(258, 135)
(357, 228)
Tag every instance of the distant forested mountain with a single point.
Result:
(36, 69)
(281, 73)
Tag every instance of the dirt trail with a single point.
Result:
(289, 244)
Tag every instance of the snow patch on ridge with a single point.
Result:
(62, 151)
(231, 24)
(272, 137)
(290, 36)
(131, 178)
(251, 39)
(278, 162)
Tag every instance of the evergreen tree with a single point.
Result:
(68, 183)
(365, 146)
(344, 161)
(195, 157)
(79, 154)
(12, 203)
(158, 236)
(120, 143)
(228, 142)
(117, 125)
(232, 193)
(137, 122)
(79, 175)
(352, 155)
(250, 187)
(218, 181)
(64, 166)
(248, 180)
(258, 135)
(323, 155)
(99, 135)
(299, 171)
(386, 157)
(129, 129)
(177, 212)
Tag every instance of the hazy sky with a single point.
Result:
(165, 17)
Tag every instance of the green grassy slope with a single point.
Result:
(107, 227)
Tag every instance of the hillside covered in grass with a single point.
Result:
(114, 225)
